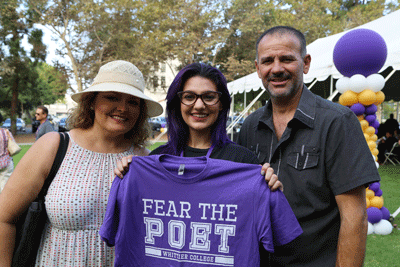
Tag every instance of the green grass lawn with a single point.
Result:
(385, 250)
(381, 250)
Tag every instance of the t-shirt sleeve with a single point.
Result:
(349, 162)
(277, 224)
(109, 229)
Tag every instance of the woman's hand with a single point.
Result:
(123, 166)
(271, 178)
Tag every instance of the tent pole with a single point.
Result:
(245, 99)
(390, 75)
(330, 98)
(241, 115)
(314, 82)
(331, 89)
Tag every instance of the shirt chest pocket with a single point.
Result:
(261, 151)
(303, 157)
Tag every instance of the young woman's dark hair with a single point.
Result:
(178, 131)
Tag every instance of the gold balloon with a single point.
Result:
(364, 125)
(373, 137)
(375, 152)
(376, 202)
(370, 130)
(367, 97)
(369, 193)
(380, 97)
(348, 98)
(367, 137)
(360, 117)
(371, 145)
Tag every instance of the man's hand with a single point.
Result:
(271, 178)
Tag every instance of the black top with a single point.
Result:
(231, 152)
(321, 154)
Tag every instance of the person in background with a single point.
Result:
(45, 125)
(385, 144)
(319, 153)
(110, 122)
(392, 125)
(6, 161)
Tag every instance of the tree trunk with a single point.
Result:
(14, 104)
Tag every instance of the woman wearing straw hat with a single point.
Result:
(110, 122)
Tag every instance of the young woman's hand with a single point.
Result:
(123, 166)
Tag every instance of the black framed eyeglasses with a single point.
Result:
(209, 98)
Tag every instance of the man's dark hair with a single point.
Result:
(45, 110)
(285, 30)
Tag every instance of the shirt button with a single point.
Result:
(300, 164)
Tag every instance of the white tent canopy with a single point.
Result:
(321, 52)
(245, 84)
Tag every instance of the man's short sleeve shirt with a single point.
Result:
(321, 154)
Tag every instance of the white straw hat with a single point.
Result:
(123, 77)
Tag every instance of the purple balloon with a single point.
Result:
(360, 51)
(378, 192)
(385, 213)
(375, 124)
(370, 119)
(376, 131)
(374, 214)
(374, 186)
(371, 109)
(358, 109)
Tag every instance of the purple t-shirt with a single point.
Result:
(177, 211)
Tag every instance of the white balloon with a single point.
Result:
(370, 228)
(383, 227)
(343, 84)
(377, 165)
(358, 83)
(375, 82)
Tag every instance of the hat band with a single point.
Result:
(118, 77)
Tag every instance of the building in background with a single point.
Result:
(157, 86)
(62, 107)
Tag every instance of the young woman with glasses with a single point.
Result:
(198, 103)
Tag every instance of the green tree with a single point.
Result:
(143, 32)
(17, 70)
(49, 86)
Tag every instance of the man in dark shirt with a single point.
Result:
(392, 125)
(318, 151)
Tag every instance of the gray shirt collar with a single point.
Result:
(305, 112)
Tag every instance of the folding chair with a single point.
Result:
(392, 157)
